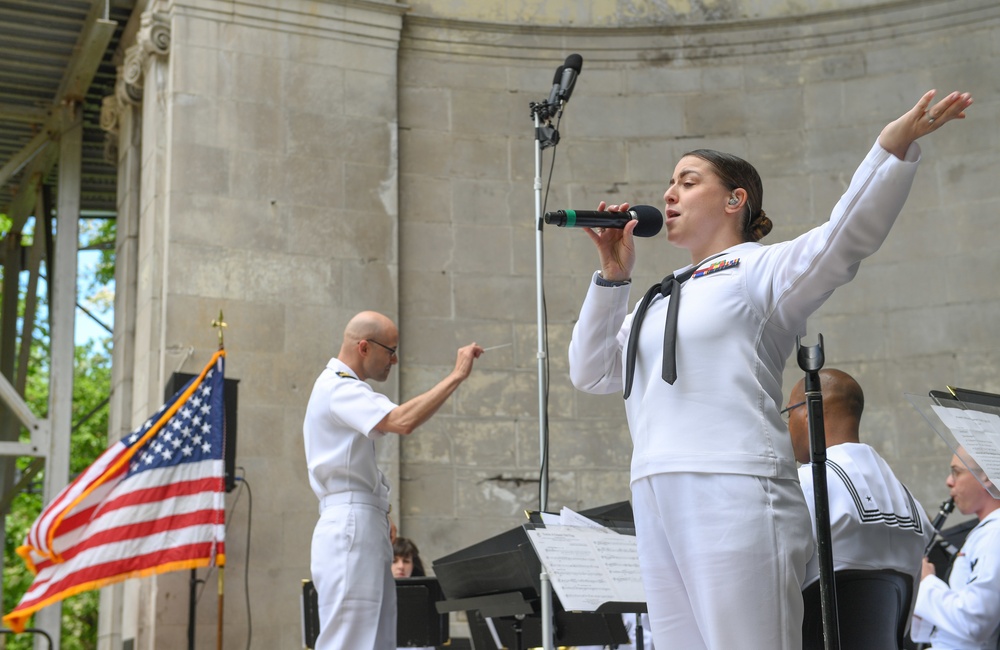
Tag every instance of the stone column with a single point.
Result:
(268, 189)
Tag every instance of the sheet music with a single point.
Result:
(550, 519)
(978, 432)
(567, 517)
(589, 566)
(570, 517)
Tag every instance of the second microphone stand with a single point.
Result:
(811, 360)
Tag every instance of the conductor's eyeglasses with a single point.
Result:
(391, 351)
(786, 412)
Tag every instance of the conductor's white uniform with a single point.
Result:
(351, 560)
(965, 611)
(722, 527)
(874, 521)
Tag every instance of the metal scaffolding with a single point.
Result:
(46, 163)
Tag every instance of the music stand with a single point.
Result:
(591, 568)
(418, 623)
(499, 578)
(969, 423)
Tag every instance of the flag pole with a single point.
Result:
(218, 642)
(220, 325)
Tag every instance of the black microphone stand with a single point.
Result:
(546, 136)
(811, 360)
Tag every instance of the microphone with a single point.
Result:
(570, 71)
(650, 219)
(556, 86)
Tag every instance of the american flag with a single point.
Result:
(152, 502)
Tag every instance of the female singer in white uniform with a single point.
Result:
(723, 530)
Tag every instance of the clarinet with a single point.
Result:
(939, 519)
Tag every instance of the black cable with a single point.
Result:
(241, 479)
(246, 565)
(552, 166)
(544, 471)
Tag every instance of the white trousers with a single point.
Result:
(351, 566)
(722, 557)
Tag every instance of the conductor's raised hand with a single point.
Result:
(898, 135)
(616, 246)
(466, 356)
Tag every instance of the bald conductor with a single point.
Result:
(351, 557)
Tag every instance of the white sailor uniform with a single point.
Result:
(965, 611)
(351, 557)
(874, 521)
(722, 527)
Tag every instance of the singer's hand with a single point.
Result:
(898, 135)
(615, 246)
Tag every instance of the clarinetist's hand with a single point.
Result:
(927, 569)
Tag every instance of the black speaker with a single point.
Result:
(177, 382)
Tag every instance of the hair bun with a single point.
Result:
(760, 226)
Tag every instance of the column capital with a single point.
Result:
(154, 33)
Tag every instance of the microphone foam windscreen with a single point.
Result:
(650, 220)
(574, 61)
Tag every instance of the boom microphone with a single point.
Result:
(570, 70)
(556, 86)
(650, 219)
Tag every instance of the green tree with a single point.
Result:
(91, 388)
(101, 235)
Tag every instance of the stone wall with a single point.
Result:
(617, 13)
(802, 100)
(269, 192)
(306, 160)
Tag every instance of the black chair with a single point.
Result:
(418, 623)
(873, 607)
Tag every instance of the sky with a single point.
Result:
(86, 329)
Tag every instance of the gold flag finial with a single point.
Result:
(221, 325)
